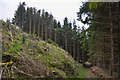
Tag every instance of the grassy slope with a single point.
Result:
(36, 58)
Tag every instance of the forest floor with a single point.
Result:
(97, 72)
(90, 74)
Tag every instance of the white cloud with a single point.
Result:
(59, 8)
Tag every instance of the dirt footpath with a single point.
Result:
(90, 74)
(96, 72)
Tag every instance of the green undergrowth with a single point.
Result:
(36, 58)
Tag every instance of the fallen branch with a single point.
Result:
(1, 72)
(28, 74)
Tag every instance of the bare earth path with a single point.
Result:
(96, 72)
(90, 74)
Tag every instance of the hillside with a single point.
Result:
(35, 58)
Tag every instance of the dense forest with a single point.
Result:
(97, 45)
(103, 35)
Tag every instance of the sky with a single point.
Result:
(59, 8)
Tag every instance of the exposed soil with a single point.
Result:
(96, 72)
(90, 74)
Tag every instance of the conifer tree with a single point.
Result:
(74, 38)
(65, 27)
(34, 20)
(20, 15)
(39, 22)
(42, 26)
(46, 25)
(30, 19)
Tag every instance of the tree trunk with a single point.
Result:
(78, 54)
(73, 49)
(118, 67)
(34, 28)
(50, 35)
(38, 29)
(118, 40)
(66, 42)
(82, 57)
(46, 38)
(42, 30)
(55, 35)
(104, 51)
(30, 26)
(111, 31)
(118, 7)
